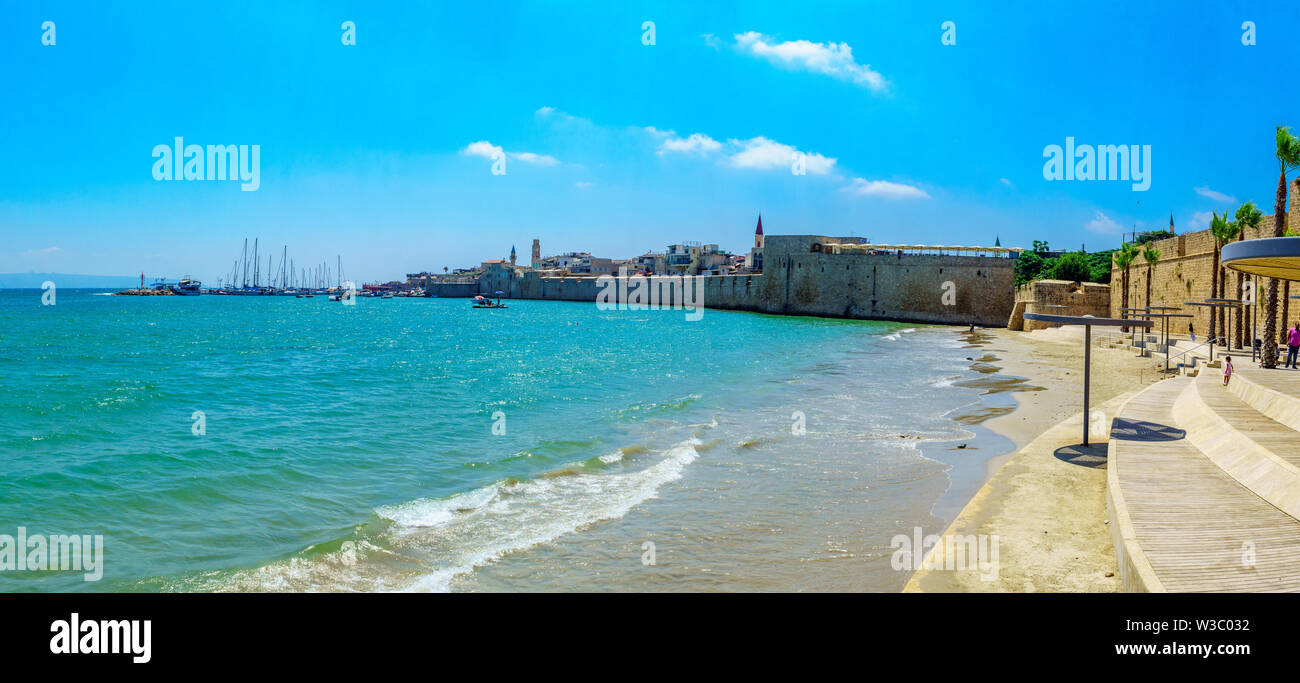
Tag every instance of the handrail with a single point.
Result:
(1188, 350)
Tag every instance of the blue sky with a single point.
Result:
(366, 150)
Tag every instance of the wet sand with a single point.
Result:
(1045, 501)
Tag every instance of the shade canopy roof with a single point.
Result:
(1088, 320)
(1276, 257)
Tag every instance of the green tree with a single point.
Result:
(1151, 255)
(1220, 229)
(1072, 267)
(1099, 263)
(1248, 220)
(1224, 231)
(1286, 286)
(1288, 158)
(1029, 267)
(1123, 259)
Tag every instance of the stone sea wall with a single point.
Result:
(954, 290)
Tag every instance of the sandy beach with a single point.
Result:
(1045, 501)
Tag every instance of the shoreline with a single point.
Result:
(1047, 511)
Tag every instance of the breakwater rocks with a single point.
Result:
(146, 292)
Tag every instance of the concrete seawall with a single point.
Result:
(955, 290)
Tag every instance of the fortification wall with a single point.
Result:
(798, 281)
(1184, 273)
(955, 290)
(1058, 297)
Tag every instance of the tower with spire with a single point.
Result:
(755, 262)
(512, 254)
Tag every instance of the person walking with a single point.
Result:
(1292, 346)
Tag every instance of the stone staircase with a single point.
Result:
(1203, 483)
(1186, 357)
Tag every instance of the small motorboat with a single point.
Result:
(481, 301)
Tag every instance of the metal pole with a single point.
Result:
(1165, 329)
(1087, 377)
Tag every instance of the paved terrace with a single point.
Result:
(1203, 483)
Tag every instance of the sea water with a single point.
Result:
(274, 443)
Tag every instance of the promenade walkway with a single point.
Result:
(1203, 483)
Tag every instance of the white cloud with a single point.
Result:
(1006, 182)
(885, 189)
(1103, 224)
(1216, 196)
(47, 251)
(712, 40)
(539, 159)
(582, 185)
(484, 149)
(487, 150)
(696, 143)
(832, 59)
(764, 154)
(1201, 220)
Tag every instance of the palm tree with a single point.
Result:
(1124, 258)
(1248, 219)
(1224, 231)
(1219, 230)
(1151, 255)
(1288, 158)
(1286, 287)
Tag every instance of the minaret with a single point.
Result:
(758, 234)
(537, 252)
(1171, 223)
(512, 254)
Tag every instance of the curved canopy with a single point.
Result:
(1276, 257)
(1088, 320)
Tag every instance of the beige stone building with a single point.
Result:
(1184, 272)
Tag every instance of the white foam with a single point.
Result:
(430, 512)
(529, 513)
(433, 540)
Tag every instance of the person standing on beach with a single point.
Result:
(1227, 369)
(1292, 346)
(1192, 331)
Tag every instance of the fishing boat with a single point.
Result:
(188, 287)
(481, 301)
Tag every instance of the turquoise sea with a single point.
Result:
(418, 444)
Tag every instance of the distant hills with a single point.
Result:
(67, 281)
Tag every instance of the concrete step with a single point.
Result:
(1274, 393)
(1262, 454)
(1179, 522)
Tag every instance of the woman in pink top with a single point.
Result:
(1292, 345)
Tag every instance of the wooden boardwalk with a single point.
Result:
(1196, 527)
